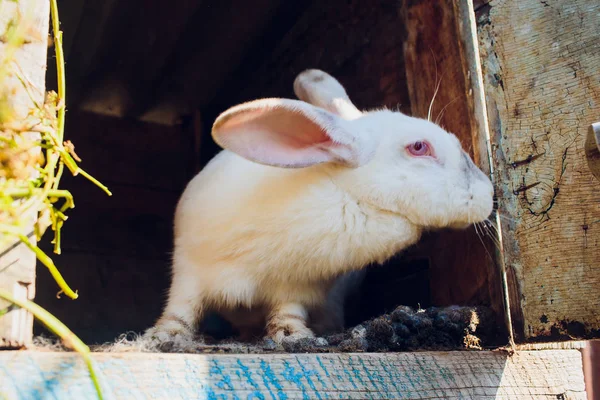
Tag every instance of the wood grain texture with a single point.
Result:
(541, 62)
(17, 263)
(17, 275)
(428, 375)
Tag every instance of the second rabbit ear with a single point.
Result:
(291, 134)
(323, 90)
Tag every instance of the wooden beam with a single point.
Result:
(428, 375)
(17, 262)
(540, 61)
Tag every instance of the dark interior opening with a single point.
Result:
(144, 85)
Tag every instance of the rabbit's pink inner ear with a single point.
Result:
(280, 137)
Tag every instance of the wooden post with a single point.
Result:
(540, 62)
(17, 262)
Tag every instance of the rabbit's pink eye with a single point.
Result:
(419, 149)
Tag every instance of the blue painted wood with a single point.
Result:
(28, 375)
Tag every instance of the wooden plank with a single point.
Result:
(540, 61)
(426, 375)
(17, 263)
(440, 54)
(17, 275)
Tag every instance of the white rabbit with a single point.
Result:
(302, 195)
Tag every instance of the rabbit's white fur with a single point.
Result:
(303, 195)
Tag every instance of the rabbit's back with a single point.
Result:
(291, 227)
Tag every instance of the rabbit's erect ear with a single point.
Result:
(323, 90)
(290, 133)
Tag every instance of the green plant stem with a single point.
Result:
(47, 261)
(25, 192)
(59, 329)
(60, 68)
(71, 164)
(59, 172)
(62, 97)
(8, 309)
(94, 181)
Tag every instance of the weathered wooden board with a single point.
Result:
(17, 274)
(17, 262)
(541, 62)
(465, 375)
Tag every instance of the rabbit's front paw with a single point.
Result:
(169, 335)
